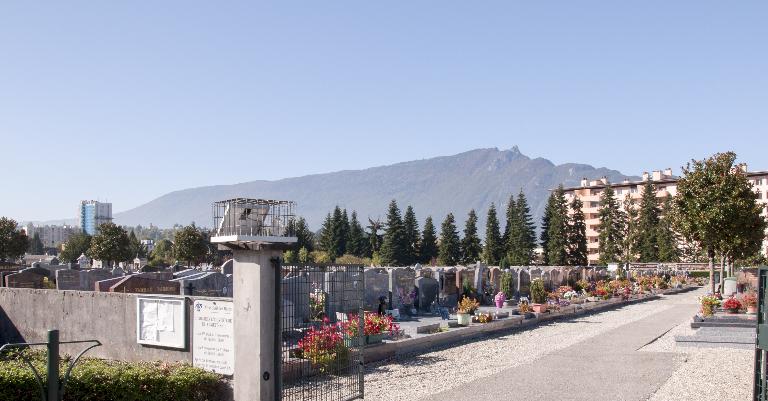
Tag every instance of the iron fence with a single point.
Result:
(320, 331)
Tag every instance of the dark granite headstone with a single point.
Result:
(524, 287)
(376, 285)
(104, 285)
(24, 279)
(226, 268)
(209, 284)
(68, 280)
(142, 285)
(88, 278)
(401, 285)
(428, 291)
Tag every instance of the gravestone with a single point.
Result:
(341, 288)
(37, 269)
(68, 280)
(24, 279)
(296, 291)
(524, 286)
(142, 285)
(186, 272)
(464, 274)
(208, 284)
(376, 285)
(226, 268)
(495, 278)
(401, 286)
(478, 280)
(104, 285)
(535, 273)
(428, 291)
(545, 277)
(449, 293)
(729, 287)
(158, 275)
(118, 272)
(6, 273)
(229, 289)
(88, 278)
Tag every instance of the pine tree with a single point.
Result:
(394, 250)
(493, 245)
(339, 230)
(666, 237)
(325, 236)
(646, 244)
(449, 253)
(428, 249)
(610, 228)
(544, 235)
(343, 231)
(411, 226)
(557, 229)
(630, 234)
(470, 245)
(526, 241)
(357, 244)
(511, 217)
(305, 237)
(577, 235)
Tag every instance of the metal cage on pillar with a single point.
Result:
(244, 221)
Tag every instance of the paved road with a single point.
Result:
(606, 367)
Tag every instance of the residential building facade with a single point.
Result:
(51, 235)
(665, 183)
(93, 214)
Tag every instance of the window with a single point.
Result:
(759, 181)
(594, 204)
(634, 190)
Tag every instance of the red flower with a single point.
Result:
(732, 303)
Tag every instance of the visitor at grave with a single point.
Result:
(382, 305)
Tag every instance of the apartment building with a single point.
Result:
(93, 214)
(51, 235)
(665, 182)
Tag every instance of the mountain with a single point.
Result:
(433, 187)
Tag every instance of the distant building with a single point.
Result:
(149, 244)
(666, 184)
(93, 214)
(51, 235)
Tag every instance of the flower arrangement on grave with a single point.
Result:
(483, 318)
(562, 290)
(406, 298)
(660, 283)
(602, 292)
(324, 347)
(708, 304)
(732, 305)
(467, 306)
(499, 299)
(316, 305)
(523, 307)
(749, 300)
(373, 324)
(582, 284)
(571, 295)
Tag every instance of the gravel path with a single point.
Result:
(703, 374)
(432, 372)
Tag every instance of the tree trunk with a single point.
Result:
(711, 257)
(722, 272)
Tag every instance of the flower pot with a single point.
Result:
(539, 308)
(508, 304)
(706, 310)
(752, 310)
(499, 304)
(463, 319)
(375, 339)
(732, 311)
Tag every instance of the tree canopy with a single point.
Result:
(470, 244)
(428, 244)
(577, 235)
(394, 250)
(610, 228)
(78, 244)
(190, 245)
(493, 246)
(111, 244)
(449, 251)
(13, 242)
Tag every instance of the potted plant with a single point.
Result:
(500, 298)
(506, 283)
(467, 306)
(524, 308)
(732, 305)
(708, 305)
(539, 295)
(749, 300)
(375, 328)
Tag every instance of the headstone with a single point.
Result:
(495, 275)
(449, 292)
(295, 290)
(54, 261)
(88, 278)
(524, 287)
(24, 279)
(730, 286)
(185, 273)
(401, 286)
(37, 269)
(83, 261)
(103, 285)
(342, 288)
(428, 291)
(158, 275)
(478, 279)
(118, 272)
(209, 284)
(68, 280)
(229, 289)
(226, 268)
(376, 285)
(6, 273)
(143, 285)
(463, 275)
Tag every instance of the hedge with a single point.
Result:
(697, 273)
(101, 380)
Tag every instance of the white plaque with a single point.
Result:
(213, 336)
(161, 321)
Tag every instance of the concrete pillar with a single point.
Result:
(254, 285)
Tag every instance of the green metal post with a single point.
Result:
(53, 365)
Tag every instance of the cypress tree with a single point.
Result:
(449, 251)
(493, 245)
(577, 235)
(428, 249)
(666, 237)
(610, 228)
(557, 229)
(394, 251)
(411, 226)
(470, 245)
(648, 225)
(357, 244)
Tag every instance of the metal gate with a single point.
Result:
(760, 392)
(320, 332)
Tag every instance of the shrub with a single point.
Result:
(101, 380)
(506, 283)
(538, 293)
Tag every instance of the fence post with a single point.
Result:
(53, 365)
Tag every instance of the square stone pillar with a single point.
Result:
(254, 280)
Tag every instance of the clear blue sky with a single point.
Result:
(126, 101)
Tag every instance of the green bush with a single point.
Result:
(100, 380)
(704, 274)
(538, 293)
(507, 281)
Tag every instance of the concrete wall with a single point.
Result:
(26, 315)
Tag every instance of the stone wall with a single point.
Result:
(26, 315)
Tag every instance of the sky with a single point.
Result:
(127, 101)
